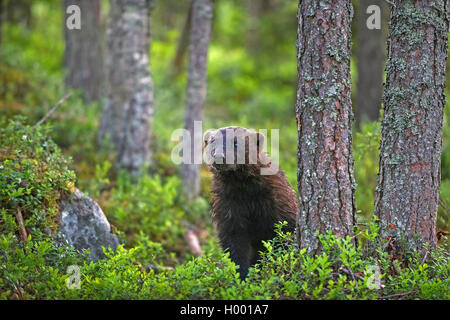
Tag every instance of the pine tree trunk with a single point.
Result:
(370, 54)
(84, 54)
(414, 98)
(324, 115)
(128, 111)
(202, 12)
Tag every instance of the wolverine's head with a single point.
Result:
(231, 148)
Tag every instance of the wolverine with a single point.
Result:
(250, 194)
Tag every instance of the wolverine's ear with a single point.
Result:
(260, 140)
(206, 137)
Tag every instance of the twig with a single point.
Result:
(350, 272)
(397, 295)
(390, 2)
(424, 257)
(56, 106)
(280, 269)
(19, 292)
(22, 231)
(354, 236)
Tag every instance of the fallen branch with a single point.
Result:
(20, 223)
(401, 294)
(56, 106)
(424, 257)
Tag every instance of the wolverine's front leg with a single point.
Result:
(239, 247)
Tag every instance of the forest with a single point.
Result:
(99, 101)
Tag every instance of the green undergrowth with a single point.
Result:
(152, 220)
(40, 270)
(33, 176)
(250, 86)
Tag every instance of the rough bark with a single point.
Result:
(414, 98)
(448, 73)
(84, 54)
(128, 111)
(202, 12)
(370, 55)
(324, 114)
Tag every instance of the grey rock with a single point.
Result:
(84, 225)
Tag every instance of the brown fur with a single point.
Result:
(246, 204)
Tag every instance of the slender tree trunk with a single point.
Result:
(83, 54)
(183, 44)
(2, 9)
(19, 11)
(370, 54)
(128, 111)
(414, 98)
(202, 12)
(324, 115)
(256, 11)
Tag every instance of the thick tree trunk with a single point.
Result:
(414, 98)
(324, 115)
(83, 55)
(370, 54)
(202, 12)
(128, 112)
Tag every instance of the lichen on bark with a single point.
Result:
(414, 98)
(324, 116)
(128, 111)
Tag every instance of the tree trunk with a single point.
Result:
(256, 11)
(370, 54)
(202, 12)
(183, 44)
(19, 11)
(83, 54)
(128, 111)
(414, 98)
(448, 73)
(324, 114)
